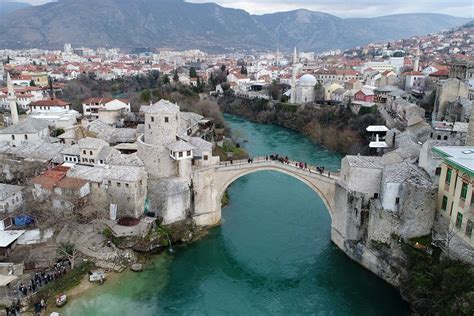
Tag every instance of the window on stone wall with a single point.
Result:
(119, 184)
(26, 137)
(444, 204)
(13, 137)
(167, 119)
(188, 153)
(397, 200)
(84, 152)
(152, 119)
(180, 154)
(205, 157)
(464, 191)
(448, 175)
(438, 171)
(459, 220)
(90, 152)
(376, 195)
(127, 185)
(469, 226)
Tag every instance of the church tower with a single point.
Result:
(12, 99)
(293, 78)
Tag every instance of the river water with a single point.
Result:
(271, 255)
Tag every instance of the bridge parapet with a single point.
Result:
(290, 165)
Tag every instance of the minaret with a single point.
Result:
(293, 79)
(278, 58)
(12, 99)
(416, 64)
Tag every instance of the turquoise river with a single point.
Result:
(272, 255)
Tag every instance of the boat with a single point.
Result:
(61, 300)
(97, 276)
(137, 267)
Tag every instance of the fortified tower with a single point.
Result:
(161, 130)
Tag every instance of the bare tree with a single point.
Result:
(69, 251)
(445, 236)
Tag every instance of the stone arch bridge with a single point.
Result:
(211, 182)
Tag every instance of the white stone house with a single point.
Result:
(29, 130)
(11, 197)
(72, 155)
(94, 151)
(91, 107)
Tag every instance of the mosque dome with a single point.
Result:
(307, 80)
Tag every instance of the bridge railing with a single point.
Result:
(300, 166)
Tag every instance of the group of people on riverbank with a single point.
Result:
(36, 282)
(40, 279)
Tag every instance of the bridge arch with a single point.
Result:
(317, 183)
(210, 183)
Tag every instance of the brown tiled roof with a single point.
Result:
(440, 73)
(49, 179)
(50, 102)
(71, 183)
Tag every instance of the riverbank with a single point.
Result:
(333, 127)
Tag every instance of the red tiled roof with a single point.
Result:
(412, 73)
(49, 102)
(440, 73)
(71, 183)
(49, 179)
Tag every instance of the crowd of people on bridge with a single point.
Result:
(284, 159)
(302, 165)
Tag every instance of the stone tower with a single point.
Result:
(161, 123)
(12, 99)
(161, 129)
(470, 131)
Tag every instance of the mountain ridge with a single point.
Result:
(181, 25)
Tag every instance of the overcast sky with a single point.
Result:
(345, 8)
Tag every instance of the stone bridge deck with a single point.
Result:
(259, 162)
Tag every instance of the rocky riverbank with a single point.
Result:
(333, 127)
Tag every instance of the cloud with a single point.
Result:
(33, 2)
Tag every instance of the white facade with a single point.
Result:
(91, 107)
(305, 89)
(29, 130)
(11, 197)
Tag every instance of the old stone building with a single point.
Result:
(448, 91)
